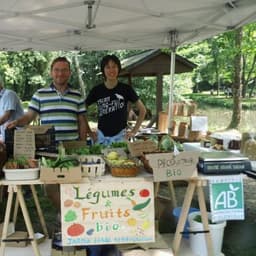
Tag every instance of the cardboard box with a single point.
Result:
(61, 175)
(168, 166)
(17, 239)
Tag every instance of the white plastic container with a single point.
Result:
(197, 241)
(21, 174)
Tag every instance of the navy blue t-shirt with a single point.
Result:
(112, 106)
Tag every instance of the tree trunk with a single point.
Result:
(79, 74)
(237, 85)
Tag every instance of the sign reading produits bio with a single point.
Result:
(226, 197)
(107, 213)
(170, 166)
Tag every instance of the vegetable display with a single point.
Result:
(60, 162)
(94, 149)
(21, 162)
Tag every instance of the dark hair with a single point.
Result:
(60, 59)
(105, 60)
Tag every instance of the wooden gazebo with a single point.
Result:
(154, 63)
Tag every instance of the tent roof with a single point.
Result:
(116, 24)
(152, 63)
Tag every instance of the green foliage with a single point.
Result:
(26, 71)
(204, 100)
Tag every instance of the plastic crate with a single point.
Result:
(44, 138)
(9, 141)
(92, 165)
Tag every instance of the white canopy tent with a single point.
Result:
(117, 24)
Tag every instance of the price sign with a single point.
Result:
(170, 166)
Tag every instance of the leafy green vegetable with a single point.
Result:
(95, 149)
(198, 218)
(78, 151)
(66, 162)
(167, 144)
(154, 138)
(120, 144)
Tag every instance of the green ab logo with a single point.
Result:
(227, 195)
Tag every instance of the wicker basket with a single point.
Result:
(124, 171)
(92, 165)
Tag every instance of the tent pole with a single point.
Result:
(173, 46)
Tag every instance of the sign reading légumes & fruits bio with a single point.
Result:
(107, 213)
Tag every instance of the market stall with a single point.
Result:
(116, 205)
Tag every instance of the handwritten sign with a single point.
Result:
(226, 197)
(107, 212)
(168, 166)
(24, 143)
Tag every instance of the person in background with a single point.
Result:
(112, 98)
(61, 106)
(10, 108)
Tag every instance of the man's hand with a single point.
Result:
(93, 136)
(12, 124)
(130, 134)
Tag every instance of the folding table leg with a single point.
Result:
(184, 213)
(172, 193)
(203, 210)
(27, 220)
(39, 211)
(6, 218)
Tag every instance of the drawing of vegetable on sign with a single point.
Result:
(141, 208)
(75, 230)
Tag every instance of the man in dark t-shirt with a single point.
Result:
(112, 98)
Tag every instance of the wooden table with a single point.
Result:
(15, 187)
(195, 184)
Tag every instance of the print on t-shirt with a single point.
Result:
(108, 105)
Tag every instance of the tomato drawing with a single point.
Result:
(75, 230)
(144, 193)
